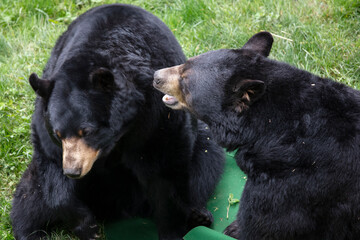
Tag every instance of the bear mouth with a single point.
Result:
(169, 100)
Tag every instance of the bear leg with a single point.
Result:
(30, 215)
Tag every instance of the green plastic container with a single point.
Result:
(232, 182)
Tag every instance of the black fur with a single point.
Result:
(297, 138)
(153, 161)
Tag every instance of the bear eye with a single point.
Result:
(85, 131)
(81, 133)
(57, 132)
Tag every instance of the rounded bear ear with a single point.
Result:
(102, 79)
(42, 87)
(245, 93)
(260, 43)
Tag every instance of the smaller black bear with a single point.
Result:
(105, 146)
(297, 138)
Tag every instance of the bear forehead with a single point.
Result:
(216, 56)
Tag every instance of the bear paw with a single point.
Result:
(200, 217)
(89, 232)
(233, 230)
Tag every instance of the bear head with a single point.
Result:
(218, 85)
(86, 110)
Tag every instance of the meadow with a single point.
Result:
(321, 36)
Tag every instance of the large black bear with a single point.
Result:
(104, 144)
(297, 138)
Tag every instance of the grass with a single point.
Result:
(316, 35)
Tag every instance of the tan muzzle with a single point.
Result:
(78, 157)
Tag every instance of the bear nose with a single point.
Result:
(157, 78)
(72, 172)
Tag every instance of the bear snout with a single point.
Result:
(166, 79)
(158, 79)
(78, 157)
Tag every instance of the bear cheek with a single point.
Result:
(78, 157)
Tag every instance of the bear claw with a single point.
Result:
(94, 226)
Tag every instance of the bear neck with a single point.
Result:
(227, 129)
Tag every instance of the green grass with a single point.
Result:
(316, 35)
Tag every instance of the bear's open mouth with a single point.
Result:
(170, 100)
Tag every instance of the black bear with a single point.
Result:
(104, 143)
(297, 138)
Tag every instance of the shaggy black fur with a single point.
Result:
(96, 87)
(297, 138)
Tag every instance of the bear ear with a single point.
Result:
(42, 87)
(102, 79)
(246, 92)
(260, 43)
